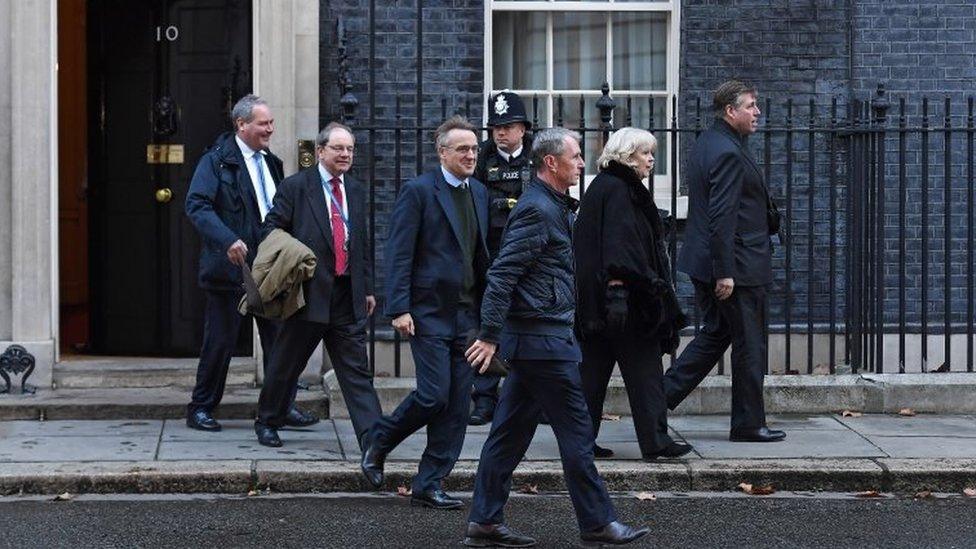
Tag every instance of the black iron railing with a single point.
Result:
(878, 254)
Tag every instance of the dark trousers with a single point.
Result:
(222, 325)
(440, 402)
(484, 393)
(639, 358)
(739, 321)
(345, 341)
(553, 387)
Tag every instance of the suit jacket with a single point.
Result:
(222, 206)
(727, 235)
(300, 210)
(423, 252)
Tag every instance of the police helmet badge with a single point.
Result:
(501, 105)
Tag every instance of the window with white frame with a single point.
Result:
(559, 53)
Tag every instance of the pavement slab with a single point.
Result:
(57, 448)
(821, 452)
(251, 450)
(910, 426)
(79, 428)
(242, 429)
(799, 443)
(926, 447)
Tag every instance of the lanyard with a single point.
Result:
(335, 205)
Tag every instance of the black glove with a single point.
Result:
(616, 308)
(659, 287)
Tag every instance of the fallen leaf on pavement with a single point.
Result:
(908, 412)
(64, 497)
(252, 493)
(645, 496)
(850, 413)
(969, 492)
(403, 491)
(611, 417)
(761, 490)
(924, 494)
(529, 489)
(868, 494)
(942, 369)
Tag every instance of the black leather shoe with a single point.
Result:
(201, 420)
(494, 535)
(615, 533)
(762, 434)
(372, 462)
(267, 436)
(673, 450)
(298, 418)
(480, 416)
(599, 452)
(435, 499)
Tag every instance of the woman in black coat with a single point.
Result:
(627, 311)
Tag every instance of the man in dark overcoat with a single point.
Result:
(230, 194)
(728, 255)
(436, 262)
(504, 167)
(325, 209)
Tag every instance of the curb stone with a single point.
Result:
(240, 476)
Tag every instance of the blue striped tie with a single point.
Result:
(264, 192)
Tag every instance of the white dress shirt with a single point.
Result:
(252, 169)
(327, 191)
(509, 157)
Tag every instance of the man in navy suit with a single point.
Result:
(325, 209)
(728, 256)
(230, 194)
(436, 261)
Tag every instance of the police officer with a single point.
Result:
(504, 167)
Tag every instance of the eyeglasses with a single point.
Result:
(464, 149)
(339, 148)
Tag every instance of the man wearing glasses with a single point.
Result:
(436, 262)
(325, 209)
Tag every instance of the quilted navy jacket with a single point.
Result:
(531, 288)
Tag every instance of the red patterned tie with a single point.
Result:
(338, 229)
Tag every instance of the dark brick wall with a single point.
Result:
(452, 51)
(919, 50)
(794, 51)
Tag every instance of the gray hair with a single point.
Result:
(550, 141)
(456, 122)
(622, 145)
(244, 108)
(323, 138)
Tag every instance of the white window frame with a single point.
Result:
(662, 183)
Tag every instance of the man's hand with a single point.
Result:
(479, 355)
(370, 305)
(723, 288)
(404, 324)
(237, 253)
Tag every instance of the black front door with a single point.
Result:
(164, 74)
